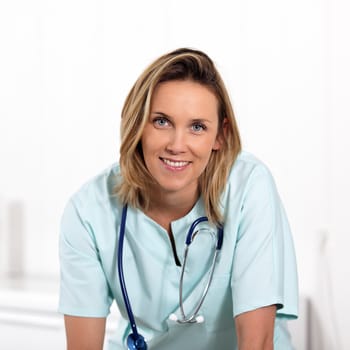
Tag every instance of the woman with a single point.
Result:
(180, 160)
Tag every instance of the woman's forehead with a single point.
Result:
(184, 97)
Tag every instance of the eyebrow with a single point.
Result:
(194, 120)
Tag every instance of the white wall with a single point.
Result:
(336, 303)
(67, 66)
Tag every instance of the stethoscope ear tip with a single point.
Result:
(200, 319)
(197, 319)
(173, 317)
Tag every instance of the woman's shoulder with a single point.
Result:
(245, 165)
(99, 188)
(247, 172)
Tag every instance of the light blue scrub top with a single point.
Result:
(256, 266)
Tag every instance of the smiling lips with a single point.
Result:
(174, 164)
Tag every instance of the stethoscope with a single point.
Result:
(135, 340)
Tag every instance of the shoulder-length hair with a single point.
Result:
(181, 64)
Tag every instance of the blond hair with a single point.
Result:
(181, 64)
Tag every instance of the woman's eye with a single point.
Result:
(197, 127)
(160, 122)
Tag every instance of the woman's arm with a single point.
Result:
(255, 329)
(85, 333)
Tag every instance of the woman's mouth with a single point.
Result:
(174, 164)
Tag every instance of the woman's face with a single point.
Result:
(180, 135)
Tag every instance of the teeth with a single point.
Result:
(174, 164)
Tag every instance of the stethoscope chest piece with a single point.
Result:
(136, 342)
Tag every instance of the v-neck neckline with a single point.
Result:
(184, 219)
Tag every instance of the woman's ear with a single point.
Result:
(221, 135)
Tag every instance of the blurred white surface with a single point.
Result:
(28, 316)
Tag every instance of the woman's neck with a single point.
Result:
(167, 207)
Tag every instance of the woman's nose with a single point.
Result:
(177, 142)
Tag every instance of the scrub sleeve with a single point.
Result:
(84, 289)
(263, 269)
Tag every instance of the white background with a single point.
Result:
(66, 67)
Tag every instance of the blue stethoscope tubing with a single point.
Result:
(135, 340)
